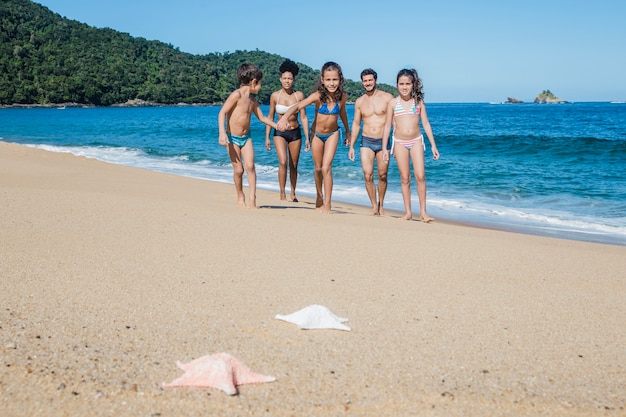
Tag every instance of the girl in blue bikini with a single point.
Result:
(330, 105)
(405, 113)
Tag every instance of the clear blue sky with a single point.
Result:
(464, 51)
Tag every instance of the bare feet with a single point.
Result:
(381, 210)
(325, 209)
(407, 216)
(283, 196)
(426, 218)
(319, 201)
(241, 201)
(252, 203)
(374, 211)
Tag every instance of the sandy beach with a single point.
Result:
(109, 275)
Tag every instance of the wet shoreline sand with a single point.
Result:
(111, 274)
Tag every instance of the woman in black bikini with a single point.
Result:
(289, 142)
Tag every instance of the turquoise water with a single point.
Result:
(555, 170)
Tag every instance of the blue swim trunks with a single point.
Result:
(238, 140)
(374, 144)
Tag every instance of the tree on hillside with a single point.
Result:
(46, 58)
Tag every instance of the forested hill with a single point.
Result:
(46, 58)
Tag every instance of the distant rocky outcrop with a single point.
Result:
(546, 97)
(136, 102)
(513, 100)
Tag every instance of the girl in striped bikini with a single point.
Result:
(405, 113)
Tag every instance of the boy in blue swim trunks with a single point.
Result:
(371, 108)
(234, 127)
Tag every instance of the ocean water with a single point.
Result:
(554, 170)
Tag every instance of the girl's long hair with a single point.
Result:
(330, 66)
(416, 93)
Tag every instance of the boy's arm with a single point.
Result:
(259, 115)
(226, 109)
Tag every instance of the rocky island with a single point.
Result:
(546, 97)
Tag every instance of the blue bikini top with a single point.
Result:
(324, 109)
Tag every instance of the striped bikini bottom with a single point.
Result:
(408, 143)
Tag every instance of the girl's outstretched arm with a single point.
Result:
(283, 122)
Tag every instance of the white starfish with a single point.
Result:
(315, 317)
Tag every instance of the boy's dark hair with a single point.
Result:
(290, 66)
(248, 72)
(369, 71)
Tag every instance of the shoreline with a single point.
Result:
(143, 103)
(111, 274)
(533, 229)
(544, 207)
(129, 103)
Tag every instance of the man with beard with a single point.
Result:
(371, 108)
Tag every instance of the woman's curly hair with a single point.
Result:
(289, 66)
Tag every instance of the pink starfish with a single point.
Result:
(220, 370)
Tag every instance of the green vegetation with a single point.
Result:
(45, 58)
(547, 94)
